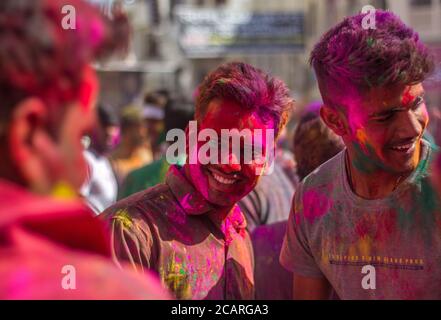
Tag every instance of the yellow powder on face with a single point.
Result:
(63, 190)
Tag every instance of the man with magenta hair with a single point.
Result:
(190, 229)
(51, 246)
(367, 222)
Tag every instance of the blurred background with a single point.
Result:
(177, 42)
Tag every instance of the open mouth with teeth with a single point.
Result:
(405, 148)
(222, 181)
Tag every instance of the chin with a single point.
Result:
(403, 168)
(221, 200)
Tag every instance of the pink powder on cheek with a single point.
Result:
(97, 32)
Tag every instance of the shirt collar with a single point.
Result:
(193, 203)
(188, 197)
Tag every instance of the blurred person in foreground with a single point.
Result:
(51, 246)
(133, 151)
(314, 143)
(154, 173)
(101, 188)
(367, 222)
(190, 229)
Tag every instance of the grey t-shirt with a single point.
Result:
(333, 233)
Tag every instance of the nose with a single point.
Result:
(411, 125)
(232, 165)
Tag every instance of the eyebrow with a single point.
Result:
(400, 108)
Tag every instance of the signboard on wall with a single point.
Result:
(217, 32)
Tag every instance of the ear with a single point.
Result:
(26, 132)
(334, 119)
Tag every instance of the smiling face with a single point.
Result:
(385, 129)
(229, 181)
(49, 156)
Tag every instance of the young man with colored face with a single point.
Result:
(51, 246)
(367, 222)
(190, 229)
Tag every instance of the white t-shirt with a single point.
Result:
(101, 188)
(333, 233)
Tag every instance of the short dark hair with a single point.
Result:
(39, 58)
(107, 115)
(349, 56)
(131, 116)
(251, 88)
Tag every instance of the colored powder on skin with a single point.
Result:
(368, 164)
(19, 282)
(361, 161)
(427, 201)
(97, 32)
(64, 191)
(407, 97)
(361, 136)
(88, 89)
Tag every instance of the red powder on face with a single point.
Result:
(407, 97)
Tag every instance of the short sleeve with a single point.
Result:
(296, 255)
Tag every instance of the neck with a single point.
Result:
(221, 212)
(377, 184)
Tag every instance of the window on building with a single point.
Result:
(420, 3)
(220, 2)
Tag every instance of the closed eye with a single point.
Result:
(418, 102)
(384, 118)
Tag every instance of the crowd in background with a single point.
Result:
(164, 220)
